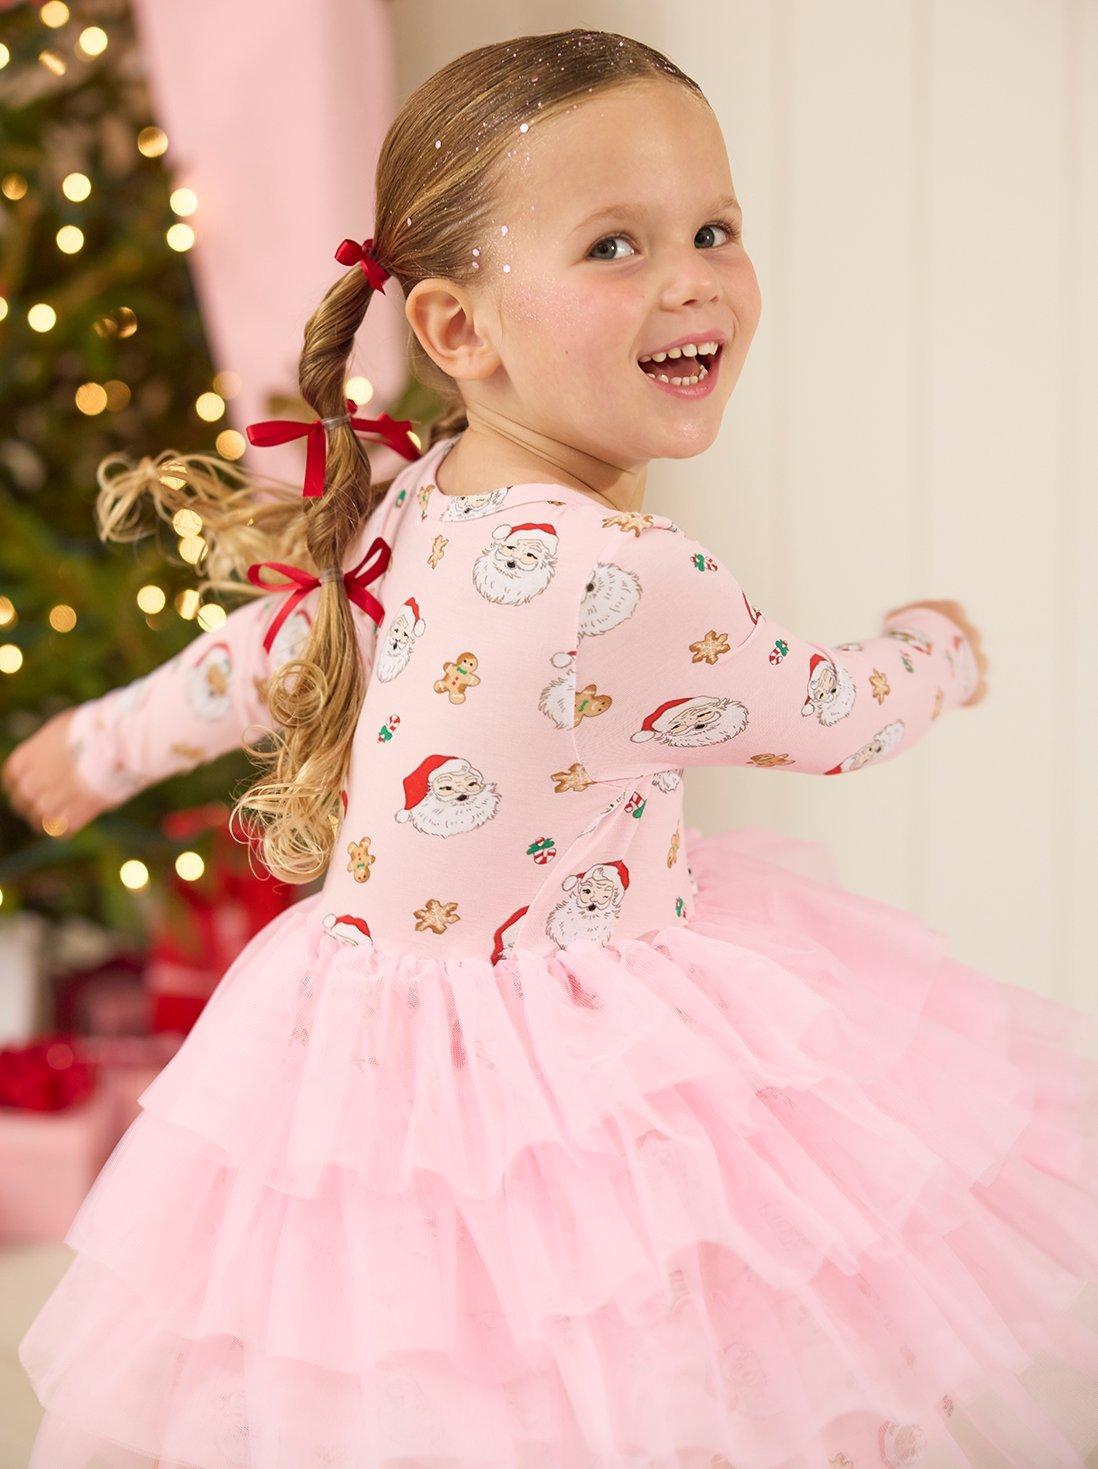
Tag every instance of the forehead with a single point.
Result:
(652, 143)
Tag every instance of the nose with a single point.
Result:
(689, 279)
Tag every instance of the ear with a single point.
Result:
(441, 313)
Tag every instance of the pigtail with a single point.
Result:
(315, 698)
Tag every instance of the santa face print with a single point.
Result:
(209, 681)
(831, 691)
(611, 596)
(875, 749)
(290, 639)
(394, 649)
(453, 797)
(595, 891)
(472, 507)
(593, 905)
(688, 723)
(518, 566)
(912, 636)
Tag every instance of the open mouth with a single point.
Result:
(688, 370)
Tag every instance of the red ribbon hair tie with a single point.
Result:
(393, 432)
(302, 582)
(350, 252)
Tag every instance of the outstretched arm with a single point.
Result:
(194, 707)
(676, 667)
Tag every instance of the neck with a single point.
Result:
(496, 449)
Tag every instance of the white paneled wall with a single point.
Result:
(918, 417)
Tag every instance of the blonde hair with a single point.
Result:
(438, 176)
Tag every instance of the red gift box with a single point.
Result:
(202, 925)
(65, 1101)
(48, 1161)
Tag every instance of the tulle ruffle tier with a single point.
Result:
(786, 1188)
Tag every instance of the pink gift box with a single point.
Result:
(125, 1066)
(48, 1161)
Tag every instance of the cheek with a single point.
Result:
(578, 327)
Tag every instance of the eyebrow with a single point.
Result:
(634, 211)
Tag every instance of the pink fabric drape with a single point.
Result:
(275, 113)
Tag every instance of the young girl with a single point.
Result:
(546, 1134)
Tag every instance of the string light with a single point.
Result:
(152, 142)
(211, 615)
(187, 522)
(41, 317)
(227, 383)
(190, 866)
(134, 874)
(210, 406)
(91, 398)
(92, 40)
(151, 599)
(230, 444)
(76, 187)
(70, 239)
(62, 617)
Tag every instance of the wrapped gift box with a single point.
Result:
(200, 925)
(48, 1161)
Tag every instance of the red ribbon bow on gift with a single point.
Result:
(350, 251)
(394, 432)
(355, 581)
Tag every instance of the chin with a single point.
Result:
(689, 440)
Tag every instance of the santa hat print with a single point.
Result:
(419, 627)
(529, 531)
(622, 871)
(337, 923)
(415, 784)
(219, 650)
(647, 730)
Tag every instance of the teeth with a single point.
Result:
(682, 382)
(690, 349)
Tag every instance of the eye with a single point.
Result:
(720, 224)
(723, 224)
(603, 241)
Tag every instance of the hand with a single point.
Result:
(41, 783)
(955, 612)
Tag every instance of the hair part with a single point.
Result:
(438, 179)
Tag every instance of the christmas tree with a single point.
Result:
(102, 348)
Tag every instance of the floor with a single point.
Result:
(27, 1275)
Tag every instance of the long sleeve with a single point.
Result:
(675, 667)
(194, 707)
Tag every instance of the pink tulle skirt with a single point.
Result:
(787, 1188)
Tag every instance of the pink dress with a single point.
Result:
(550, 1134)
